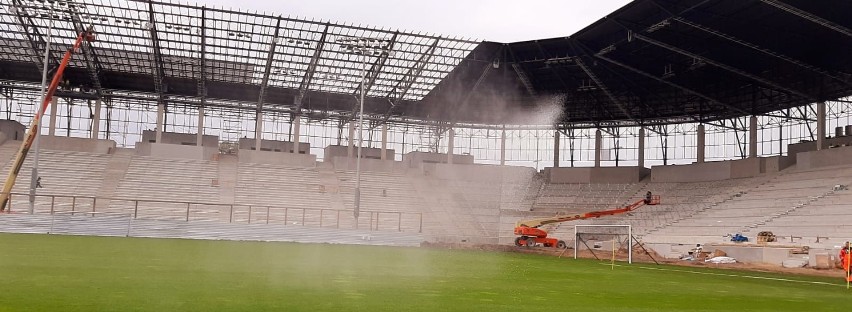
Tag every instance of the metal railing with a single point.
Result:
(230, 213)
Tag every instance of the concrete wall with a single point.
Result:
(367, 164)
(277, 158)
(275, 146)
(776, 163)
(478, 172)
(824, 158)
(709, 171)
(14, 130)
(174, 151)
(807, 146)
(414, 159)
(77, 144)
(180, 138)
(597, 175)
(332, 151)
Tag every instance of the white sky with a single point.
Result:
(496, 20)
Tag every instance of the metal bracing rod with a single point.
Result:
(159, 72)
(475, 86)
(376, 67)
(402, 86)
(309, 73)
(669, 83)
(722, 66)
(270, 57)
(808, 16)
(760, 49)
(789, 117)
(603, 87)
(35, 38)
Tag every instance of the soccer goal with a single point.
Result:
(91, 223)
(609, 242)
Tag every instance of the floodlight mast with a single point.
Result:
(362, 46)
(34, 176)
(5, 195)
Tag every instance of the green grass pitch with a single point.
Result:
(76, 273)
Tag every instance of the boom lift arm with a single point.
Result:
(529, 234)
(5, 195)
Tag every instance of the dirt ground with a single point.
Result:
(640, 256)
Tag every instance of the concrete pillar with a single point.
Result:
(556, 149)
(350, 150)
(641, 149)
(503, 147)
(752, 137)
(258, 130)
(199, 136)
(598, 145)
(700, 147)
(53, 108)
(820, 125)
(384, 141)
(161, 115)
(96, 120)
(297, 127)
(451, 137)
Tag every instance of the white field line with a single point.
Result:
(731, 275)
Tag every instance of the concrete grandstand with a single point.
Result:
(195, 122)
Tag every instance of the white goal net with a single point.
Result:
(91, 223)
(604, 242)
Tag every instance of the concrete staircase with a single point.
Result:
(228, 165)
(114, 173)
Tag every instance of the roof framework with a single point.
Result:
(650, 62)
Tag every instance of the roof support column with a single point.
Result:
(297, 125)
(503, 147)
(555, 149)
(451, 135)
(640, 152)
(258, 129)
(820, 125)
(752, 136)
(351, 142)
(701, 145)
(598, 143)
(200, 132)
(384, 141)
(96, 120)
(51, 130)
(161, 116)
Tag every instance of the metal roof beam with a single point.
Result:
(723, 66)
(159, 72)
(309, 73)
(522, 74)
(202, 62)
(603, 88)
(35, 38)
(402, 86)
(669, 83)
(755, 47)
(270, 57)
(808, 16)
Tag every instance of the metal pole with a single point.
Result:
(360, 137)
(34, 176)
(575, 242)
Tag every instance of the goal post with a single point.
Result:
(91, 223)
(610, 237)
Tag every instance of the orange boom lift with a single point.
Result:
(5, 195)
(529, 234)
